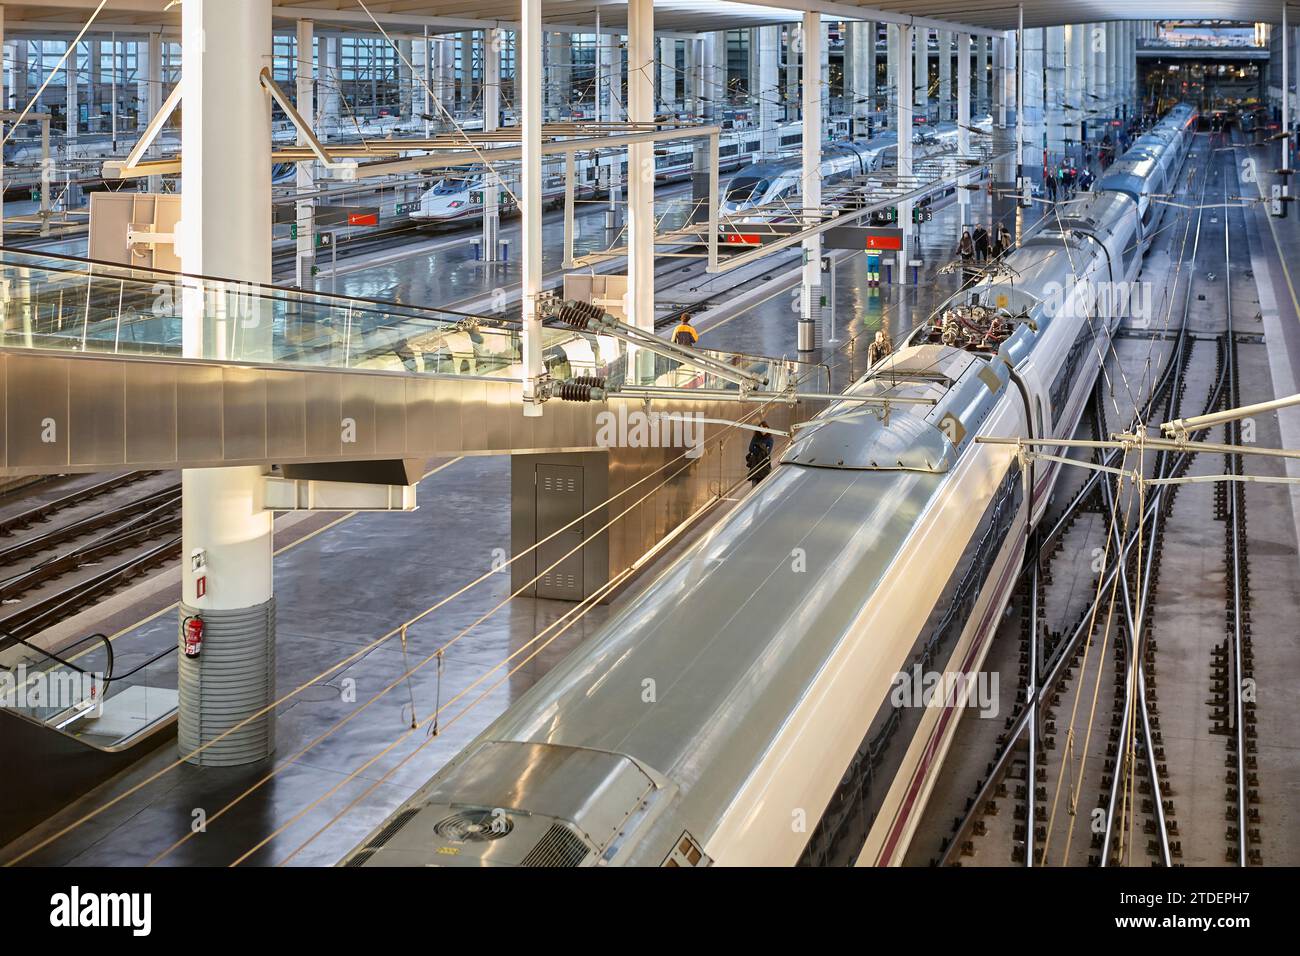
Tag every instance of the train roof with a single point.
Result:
(1130, 175)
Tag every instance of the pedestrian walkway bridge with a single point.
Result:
(94, 376)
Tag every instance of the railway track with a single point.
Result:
(51, 574)
(1051, 664)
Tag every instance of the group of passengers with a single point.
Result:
(976, 247)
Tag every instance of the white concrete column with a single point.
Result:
(903, 123)
(999, 106)
(897, 80)
(465, 89)
(528, 60)
(810, 305)
(921, 77)
(447, 72)
(793, 48)
(1033, 98)
(963, 118)
(419, 78)
(691, 77)
(225, 230)
(611, 56)
(405, 80)
(824, 81)
(18, 94)
(493, 41)
(873, 101)
(154, 92)
(640, 166)
(1112, 68)
(768, 94)
(1130, 68)
(327, 104)
(713, 77)
(982, 104)
(305, 178)
(1075, 66)
(1054, 89)
(859, 81)
(667, 74)
(73, 101)
(945, 75)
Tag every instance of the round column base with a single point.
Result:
(232, 679)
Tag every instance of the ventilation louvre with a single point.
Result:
(560, 846)
(390, 831)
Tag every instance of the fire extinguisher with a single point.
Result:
(192, 635)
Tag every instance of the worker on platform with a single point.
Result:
(685, 333)
(758, 460)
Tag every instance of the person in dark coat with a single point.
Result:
(758, 460)
(966, 250)
(981, 239)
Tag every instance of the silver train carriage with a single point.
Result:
(741, 710)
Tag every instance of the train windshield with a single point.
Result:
(449, 187)
(746, 189)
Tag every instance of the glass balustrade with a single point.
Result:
(68, 304)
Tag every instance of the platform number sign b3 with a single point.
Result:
(1099, 39)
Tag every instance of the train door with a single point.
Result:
(558, 490)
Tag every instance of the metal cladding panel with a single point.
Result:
(499, 409)
(447, 415)
(525, 432)
(357, 426)
(286, 415)
(37, 402)
(95, 414)
(473, 409)
(390, 415)
(149, 421)
(324, 415)
(421, 412)
(244, 414)
(198, 413)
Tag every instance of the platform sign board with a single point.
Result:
(858, 238)
(744, 234)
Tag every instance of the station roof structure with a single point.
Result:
(684, 16)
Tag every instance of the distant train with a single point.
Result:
(780, 181)
(459, 195)
(1148, 172)
(884, 548)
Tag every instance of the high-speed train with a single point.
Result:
(785, 648)
(459, 195)
(1148, 172)
(780, 180)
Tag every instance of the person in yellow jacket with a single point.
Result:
(685, 333)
